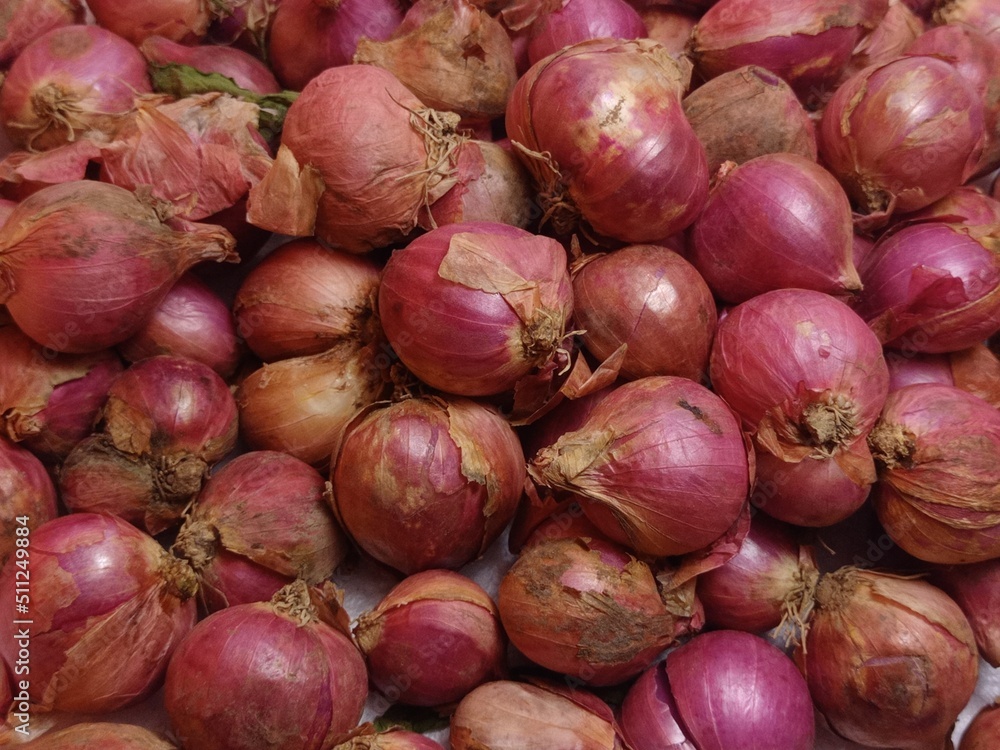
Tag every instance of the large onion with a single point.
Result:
(24, 21)
(27, 497)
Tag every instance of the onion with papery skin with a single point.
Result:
(982, 733)
(809, 379)
(83, 264)
(302, 405)
(191, 322)
(779, 221)
(415, 509)
(299, 682)
(361, 158)
(179, 20)
(720, 691)
(806, 42)
(890, 661)
(505, 715)
(26, 492)
(451, 55)
(433, 638)
(938, 497)
(976, 370)
(889, 39)
(628, 165)
(246, 70)
(771, 579)
(114, 608)
(979, 14)
(68, 81)
(260, 522)
(106, 736)
(964, 205)
(307, 37)
(976, 589)
(580, 20)
(23, 21)
(670, 27)
(665, 460)
(652, 300)
(304, 298)
(474, 308)
(586, 608)
(746, 113)
(244, 24)
(366, 738)
(902, 158)
(51, 401)
(933, 287)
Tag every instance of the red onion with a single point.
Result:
(51, 401)
(68, 81)
(586, 608)
(770, 580)
(976, 370)
(902, 158)
(981, 734)
(939, 491)
(779, 221)
(415, 509)
(671, 27)
(890, 661)
(360, 160)
(432, 639)
(976, 589)
(653, 301)
(627, 164)
(918, 368)
(502, 715)
(25, 20)
(299, 682)
(663, 457)
(6, 209)
(307, 37)
(304, 298)
(806, 42)
(932, 287)
(191, 322)
(244, 24)
(808, 379)
(979, 14)
(580, 20)
(474, 308)
(746, 113)
(366, 738)
(26, 493)
(106, 736)
(301, 405)
(451, 55)
(108, 606)
(860, 248)
(180, 20)
(83, 264)
(964, 205)
(246, 70)
(888, 40)
(720, 691)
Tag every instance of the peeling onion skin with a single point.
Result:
(104, 735)
(23, 21)
(26, 490)
(982, 733)
(890, 661)
(888, 40)
(976, 590)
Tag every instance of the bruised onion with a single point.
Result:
(361, 158)
(304, 298)
(299, 682)
(68, 81)
(106, 736)
(938, 497)
(25, 20)
(474, 308)
(27, 497)
(109, 605)
(83, 264)
(243, 68)
(778, 221)
(414, 508)
(580, 20)
(662, 457)
(260, 522)
(587, 609)
(890, 661)
(652, 300)
(724, 690)
(433, 638)
(982, 732)
(976, 590)
(179, 20)
(627, 164)
(903, 134)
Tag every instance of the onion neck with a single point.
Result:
(179, 576)
(892, 445)
(542, 335)
(293, 601)
(835, 590)
(179, 478)
(197, 542)
(830, 424)
(56, 108)
(559, 208)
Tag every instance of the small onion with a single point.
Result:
(938, 497)
(587, 609)
(720, 691)
(963, 205)
(260, 522)
(627, 164)
(473, 308)
(432, 639)
(652, 300)
(746, 113)
(982, 733)
(670, 27)
(299, 682)
(976, 589)
(888, 40)
(778, 221)
(106, 736)
(109, 606)
(246, 70)
(183, 21)
(27, 497)
(24, 21)
(580, 20)
(366, 738)
(414, 508)
(890, 661)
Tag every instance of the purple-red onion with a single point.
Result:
(963, 205)
(27, 499)
(184, 21)
(976, 589)
(580, 20)
(976, 370)
(888, 40)
(24, 21)
(669, 26)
